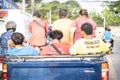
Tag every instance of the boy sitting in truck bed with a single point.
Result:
(55, 48)
(87, 44)
(19, 48)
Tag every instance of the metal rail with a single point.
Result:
(56, 56)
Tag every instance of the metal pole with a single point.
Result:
(10, 4)
(23, 5)
(104, 22)
(50, 16)
(32, 2)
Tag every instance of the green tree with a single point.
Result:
(17, 0)
(114, 6)
(53, 7)
(112, 14)
(74, 8)
(49, 8)
(97, 18)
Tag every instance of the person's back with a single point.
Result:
(81, 20)
(63, 24)
(55, 37)
(107, 35)
(38, 29)
(87, 44)
(24, 51)
(10, 27)
(49, 50)
(19, 48)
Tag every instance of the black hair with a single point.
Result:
(109, 29)
(83, 12)
(63, 13)
(56, 34)
(106, 28)
(87, 28)
(37, 14)
(17, 38)
(11, 29)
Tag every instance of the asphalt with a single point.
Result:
(113, 60)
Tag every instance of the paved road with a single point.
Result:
(114, 61)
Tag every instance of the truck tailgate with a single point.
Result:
(74, 69)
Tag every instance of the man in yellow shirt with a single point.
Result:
(63, 24)
(87, 44)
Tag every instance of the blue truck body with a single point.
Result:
(54, 68)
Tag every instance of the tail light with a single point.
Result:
(4, 74)
(105, 71)
(1, 59)
(1, 62)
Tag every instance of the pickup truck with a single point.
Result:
(61, 67)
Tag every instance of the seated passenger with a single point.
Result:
(19, 48)
(6, 37)
(55, 37)
(87, 44)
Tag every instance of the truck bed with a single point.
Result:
(54, 68)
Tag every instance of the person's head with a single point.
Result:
(56, 34)
(109, 29)
(83, 12)
(63, 13)
(106, 28)
(17, 38)
(11, 25)
(36, 14)
(86, 29)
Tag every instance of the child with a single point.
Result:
(55, 36)
(87, 44)
(19, 48)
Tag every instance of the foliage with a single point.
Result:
(49, 11)
(112, 14)
(97, 18)
(26, 1)
(114, 6)
(73, 8)
(53, 7)
(16, 0)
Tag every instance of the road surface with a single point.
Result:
(114, 60)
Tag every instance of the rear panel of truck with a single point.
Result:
(55, 69)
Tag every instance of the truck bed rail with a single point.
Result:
(54, 57)
(57, 56)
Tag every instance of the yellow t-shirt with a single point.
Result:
(65, 26)
(85, 46)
